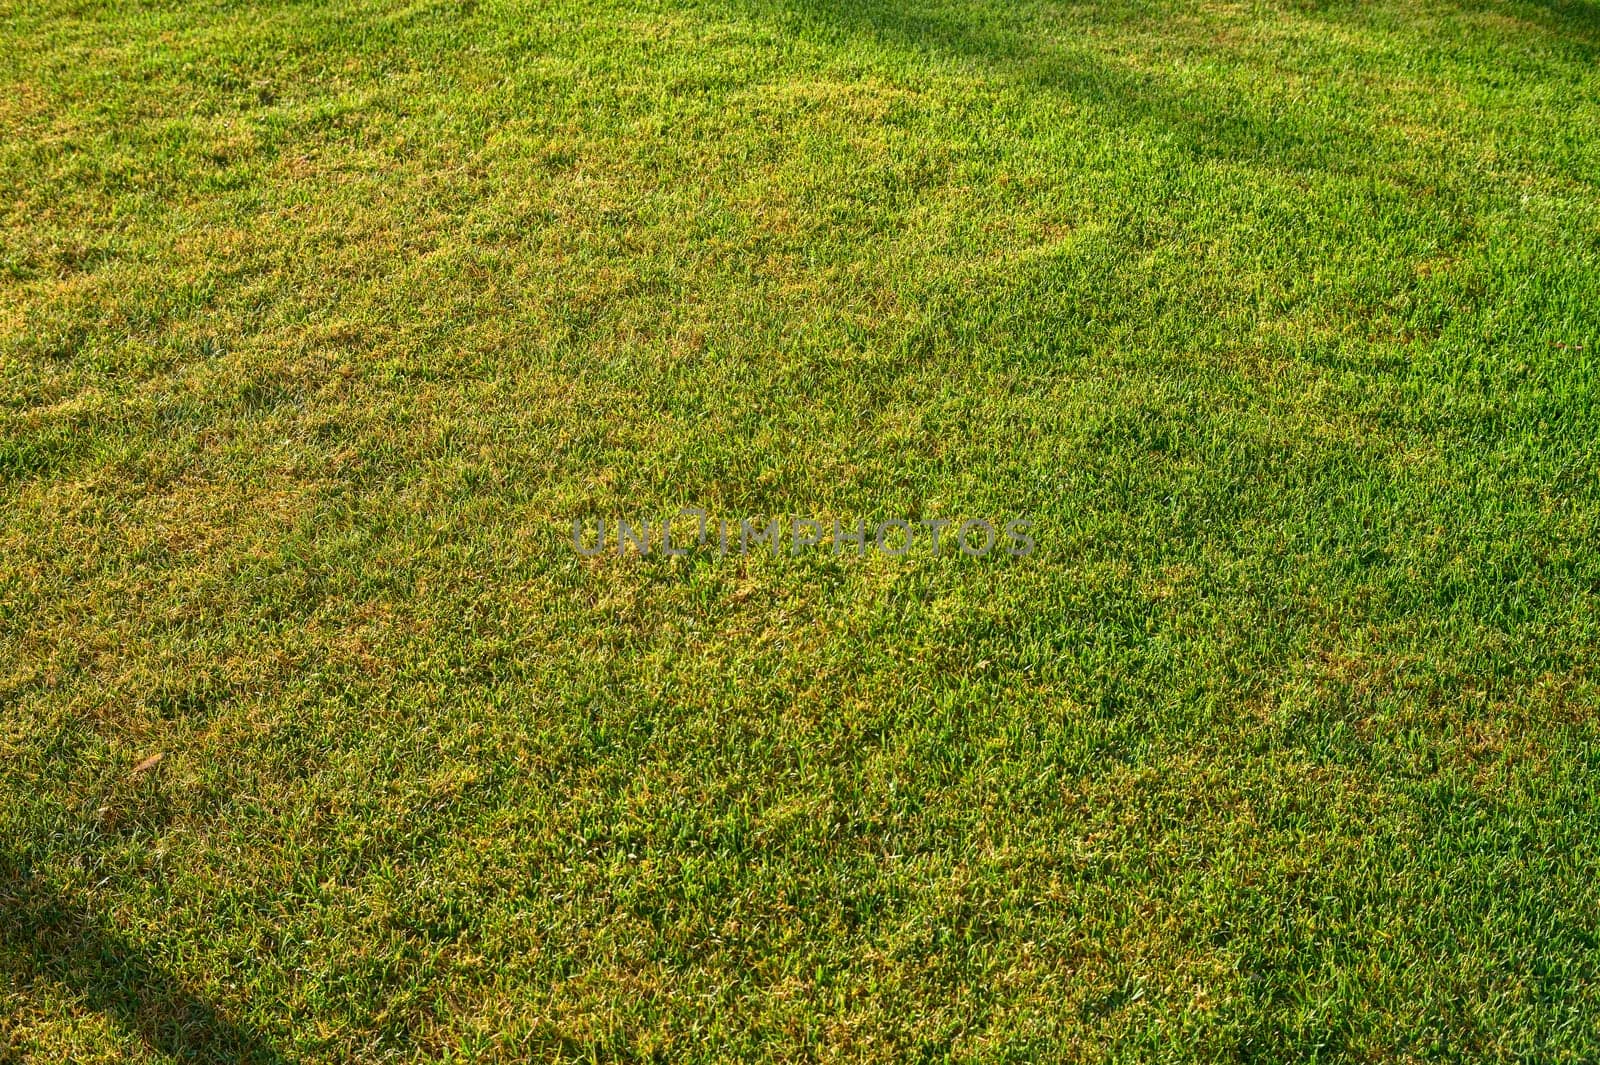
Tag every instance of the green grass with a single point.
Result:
(319, 324)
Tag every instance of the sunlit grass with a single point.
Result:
(319, 325)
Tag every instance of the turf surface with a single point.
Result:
(321, 323)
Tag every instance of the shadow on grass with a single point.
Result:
(1040, 56)
(1047, 47)
(43, 935)
(1575, 23)
(1577, 19)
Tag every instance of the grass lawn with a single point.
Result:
(321, 323)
